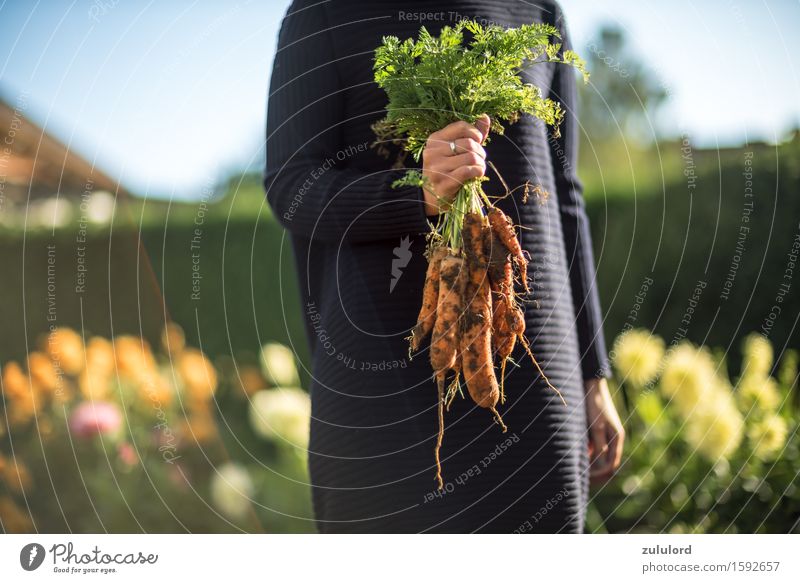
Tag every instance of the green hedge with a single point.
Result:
(699, 263)
(248, 295)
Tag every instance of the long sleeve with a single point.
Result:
(309, 184)
(575, 223)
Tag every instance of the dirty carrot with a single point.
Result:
(430, 299)
(444, 342)
(504, 229)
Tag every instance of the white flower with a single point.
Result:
(637, 356)
(689, 375)
(758, 356)
(716, 427)
(53, 212)
(231, 490)
(282, 414)
(759, 393)
(768, 437)
(277, 363)
(100, 209)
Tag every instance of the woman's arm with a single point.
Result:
(307, 187)
(575, 223)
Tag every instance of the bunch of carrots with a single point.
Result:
(470, 305)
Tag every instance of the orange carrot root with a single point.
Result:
(430, 299)
(444, 342)
(476, 349)
(503, 227)
(527, 346)
(440, 436)
(498, 419)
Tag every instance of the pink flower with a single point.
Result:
(92, 418)
(127, 454)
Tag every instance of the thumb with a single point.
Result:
(483, 123)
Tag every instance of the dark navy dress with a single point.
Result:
(358, 246)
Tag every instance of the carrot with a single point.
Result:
(430, 298)
(445, 337)
(455, 385)
(503, 338)
(472, 235)
(515, 320)
(444, 342)
(499, 262)
(476, 329)
(501, 276)
(504, 229)
(440, 435)
(476, 352)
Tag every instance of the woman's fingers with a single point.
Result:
(465, 145)
(452, 180)
(455, 130)
(452, 156)
(442, 148)
(597, 433)
(450, 163)
(598, 462)
(615, 443)
(483, 124)
(606, 458)
(464, 173)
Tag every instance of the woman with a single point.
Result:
(358, 246)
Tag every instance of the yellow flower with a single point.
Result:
(156, 387)
(14, 520)
(94, 386)
(15, 382)
(277, 362)
(43, 373)
(715, 430)
(65, 348)
(200, 425)
(198, 374)
(768, 437)
(96, 379)
(759, 392)
(19, 392)
(689, 373)
(16, 475)
(173, 339)
(758, 356)
(100, 356)
(282, 414)
(133, 357)
(637, 356)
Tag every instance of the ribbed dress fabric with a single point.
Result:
(374, 410)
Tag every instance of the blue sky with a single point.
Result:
(169, 96)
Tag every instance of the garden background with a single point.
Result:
(203, 417)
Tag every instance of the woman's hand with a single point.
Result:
(446, 170)
(606, 434)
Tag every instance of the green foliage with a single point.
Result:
(434, 81)
(624, 94)
(655, 248)
(677, 473)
